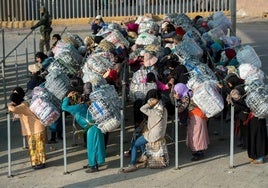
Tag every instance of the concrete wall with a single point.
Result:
(252, 8)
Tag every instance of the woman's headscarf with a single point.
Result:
(16, 98)
(181, 89)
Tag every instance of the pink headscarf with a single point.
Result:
(181, 89)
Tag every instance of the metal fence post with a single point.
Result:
(232, 138)
(176, 136)
(233, 17)
(9, 145)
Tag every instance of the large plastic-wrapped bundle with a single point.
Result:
(245, 70)
(231, 41)
(60, 66)
(105, 45)
(258, 77)
(219, 20)
(216, 33)
(108, 93)
(179, 19)
(148, 27)
(70, 57)
(157, 50)
(157, 153)
(99, 64)
(247, 54)
(196, 80)
(41, 92)
(257, 101)
(45, 110)
(146, 39)
(101, 110)
(107, 55)
(58, 84)
(117, 38)
(90, 76)
(73, 39)
(104, 32)
(208, 99)
(109, 125)
(139, 91)
(194, 34)
(188, 49)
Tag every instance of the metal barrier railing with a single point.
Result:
(17, 10)
(19, 61)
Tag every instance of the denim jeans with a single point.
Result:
(140, 142)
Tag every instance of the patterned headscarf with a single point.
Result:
(181, 89)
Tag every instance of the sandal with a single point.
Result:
(130, 168)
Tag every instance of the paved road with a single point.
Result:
(211, 172)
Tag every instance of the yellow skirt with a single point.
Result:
(37, 148)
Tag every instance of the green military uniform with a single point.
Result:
(45, 29)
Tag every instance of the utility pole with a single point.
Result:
(233, 17)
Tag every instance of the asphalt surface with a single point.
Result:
(213, 171)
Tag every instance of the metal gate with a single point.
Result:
(27, 10)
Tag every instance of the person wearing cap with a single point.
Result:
(31, 127)
(45, 29)
(97, 24)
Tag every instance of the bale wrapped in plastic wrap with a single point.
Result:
(90, 76)
(231, 41)
(257, 79)
(108, 93)
(219, 20)
(70, 41)
(194, 34)
(247, 55)
(101, 110)
(58, 84)
(179, 19)
(188, 49)
(104, 32)
(135, 54)
(107, 55)
(139, 91)
(146, 39)
(60, 66)
(208, 98)
(196, 80)
(117, 38)
(45, 110)
(157, 153)
(216, 33)
(156, 50)
(138, 86)
(70, 57)
(204, 70)
(42, 92)
(245, 70)
(77, 38)
(99, 64)
(148, 26)
(257, 101)
(109, 125)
